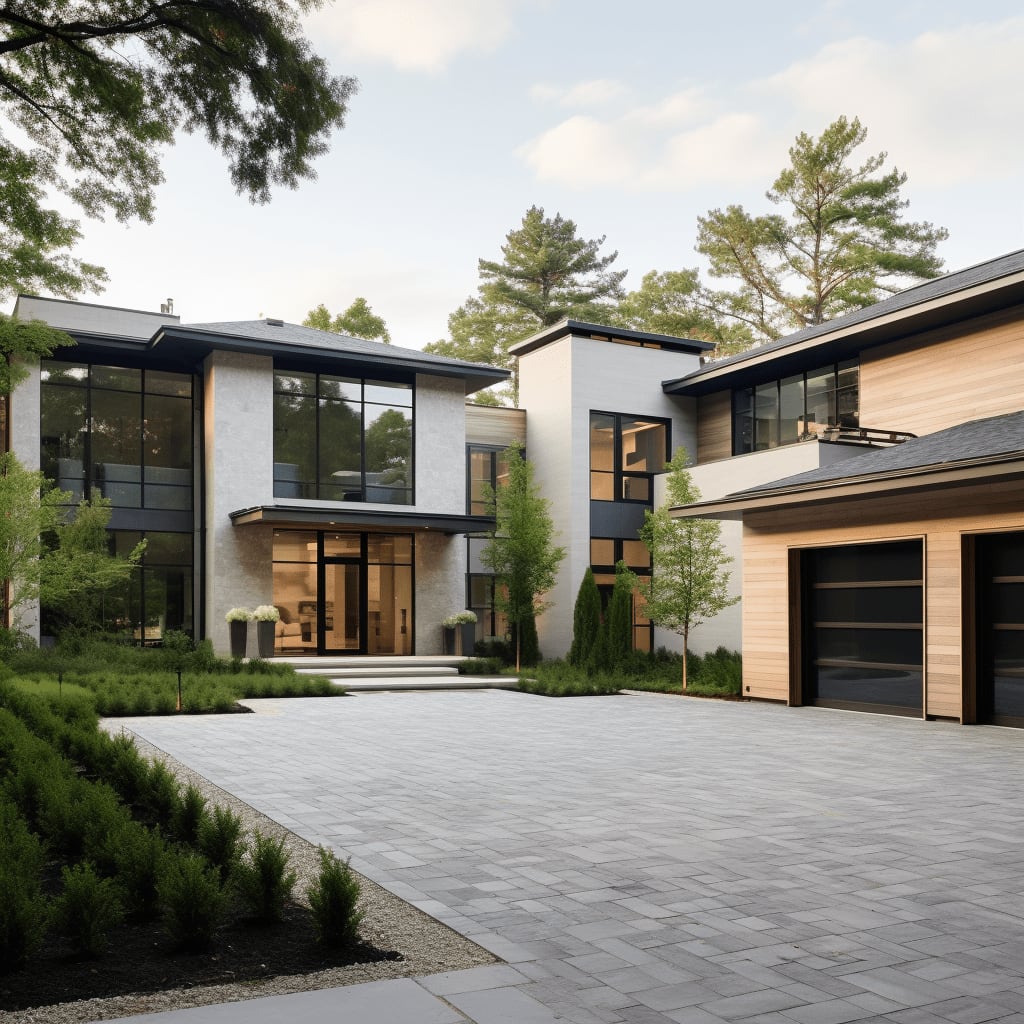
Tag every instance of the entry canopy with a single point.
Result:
(384, 519)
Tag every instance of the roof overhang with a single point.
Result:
(317, 517)
(602, 332)
(924, 478)
(846, 340)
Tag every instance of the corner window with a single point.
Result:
(342, 438)
(791, 409)
(625, 454)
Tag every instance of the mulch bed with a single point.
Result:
(140, 958)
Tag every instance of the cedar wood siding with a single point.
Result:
(942, 518)
(714, 427)
(930, 381)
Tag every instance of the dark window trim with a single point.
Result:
(749, 392)
(618, 473)
(317, 398)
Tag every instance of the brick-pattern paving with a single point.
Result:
(646, 859)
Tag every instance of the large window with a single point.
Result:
(156, 598)
(122, 433)
(486, 468)
(605, 552)
(625, 453)
(342, 438)
(791, 409)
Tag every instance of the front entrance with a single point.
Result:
(343, 593)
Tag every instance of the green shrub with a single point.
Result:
(333, 898)
(721, 672)
(262, 879)
(481, 667)
(195, 901)
(560, 679)
(87, 909)
(188, 816)
(138, 855)
(220, 839)
(160, 796)
(23, 909)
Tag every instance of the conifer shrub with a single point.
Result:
(220, 839)
(262, 879)
(194, 900)
(333, 898)
(586, 621)
(87, 909)
(188, 816)
(161, 793)
(23, 908)
(138, 855)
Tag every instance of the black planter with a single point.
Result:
(239, 635)
(447, 639)
(265, 638)
(467, 638)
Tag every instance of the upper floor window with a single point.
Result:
(119, 432)
(793, 408)
(487, 468)
(342, 438)
(625, 453)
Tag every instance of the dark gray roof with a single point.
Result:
(994, 437)
(581, 327)
(941, 287)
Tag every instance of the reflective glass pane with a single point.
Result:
(53, 372)
(643, 446)
(294, 546)
(118, 378)
(636, 488)
(886, 646)
(167, 439)
(791, 409)
(602, 551)
(340, 458)
(900, 560)
(893, 687)
(294, 446)
(387, 393)
(389, 609)
(296, 599)
(602, 486)
(342, 545)
(869, 604)
(345, 388)
(388, 454)
(766, 415)
(635, 554)
(389, 547)
(295, 383)
(63, 429)
(342, 601)
(602, 443)
(159, 382)
(821, 390)
(168, 548)
(117, 446)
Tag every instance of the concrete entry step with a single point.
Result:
(370, 673)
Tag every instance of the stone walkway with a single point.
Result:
(646, 859)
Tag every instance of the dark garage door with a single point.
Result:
(1001, 629)
(863, 627)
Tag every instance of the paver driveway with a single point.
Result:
(648, 859)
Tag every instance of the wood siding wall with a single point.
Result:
(941, 378)
(714, 427)
(941, 518)
(488, 424)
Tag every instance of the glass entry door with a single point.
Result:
(341, 608)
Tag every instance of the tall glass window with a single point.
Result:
(784, 411)
(121, 433)
(487, 469)
(342, 438)
(625, 454)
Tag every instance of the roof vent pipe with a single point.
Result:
(271, 322)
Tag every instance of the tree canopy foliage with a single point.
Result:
(689, 581)
(842, 243)
(95, 90)
(547, 274)
(521, 551)
(358, 321)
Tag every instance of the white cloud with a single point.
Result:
(946, 106)
(413, 35)
(592, 93)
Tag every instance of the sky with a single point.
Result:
(632, 120)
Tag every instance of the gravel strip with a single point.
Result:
(428, 947)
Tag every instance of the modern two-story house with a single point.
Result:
(868, 472)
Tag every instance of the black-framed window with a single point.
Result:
(790, 409)
(605, 553)
(485, 468)
(119, 432)
(154, 600)
(343, 438)
(626, 452)
(480, 598)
